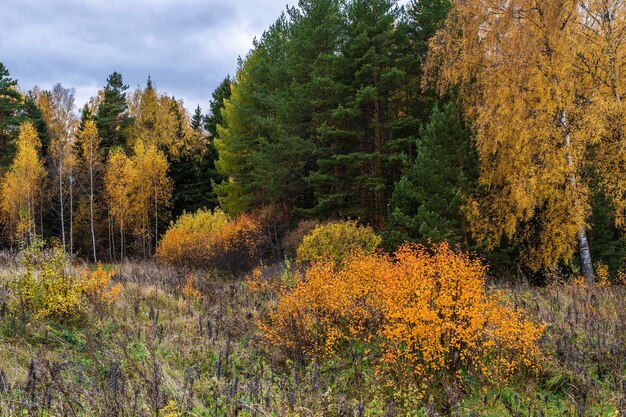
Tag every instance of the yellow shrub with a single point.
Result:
(45, 289)
(206, 239)
(428, 314)
(48, 288)
(336, 241)
(186, 240)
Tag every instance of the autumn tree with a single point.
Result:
(154, 119)
(602, 62)
(118, 183)
(152, 192)
(57, 107)
(539, 110)
(92, 162)
(31, 112)
(22, 185)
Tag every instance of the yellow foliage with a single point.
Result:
(541, 84)
(210, 239)
(189, 291)
(22, 185)
(336, 241)
(171, 409)
(48, 289)
(97, 287)
(186, 240)
(428, 313)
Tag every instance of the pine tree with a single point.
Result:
(214, 118)
(302, 107)
(197, 119)
(112, 118)
(249, 121)
(10, 100)
(427, 200)
(31, 112)
(356, 175)
(193, 169)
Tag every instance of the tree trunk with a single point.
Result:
(61, 204)
(379, 194)
(156, 218)
(93, 234)
(586, 265)
(71, 214)
(585, 257)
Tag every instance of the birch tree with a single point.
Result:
(536, 104)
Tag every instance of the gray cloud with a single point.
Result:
(187, 46)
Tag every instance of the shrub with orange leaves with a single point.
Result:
(210, 239)
(190, 292)
(98, 288)
(428, 313)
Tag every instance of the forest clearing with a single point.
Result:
(393, 208)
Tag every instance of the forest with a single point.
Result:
(390, 209)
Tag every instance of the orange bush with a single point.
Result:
(428, 314)
(190, 291)
(98, 288)
(206, 239)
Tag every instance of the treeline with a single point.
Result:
(498, 128)
(329, 113)
(104, 184)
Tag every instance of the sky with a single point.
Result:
(186, 46)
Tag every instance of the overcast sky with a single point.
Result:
(187, 46)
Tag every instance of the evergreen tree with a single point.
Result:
(214, 118)
(355, 175)
(303, 107)
(426, 203)
(197, 119)
(193, 169)
(112, 117)
(249, 118)
(32, 113)
(10, 101)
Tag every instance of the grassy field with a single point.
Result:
(161, 350)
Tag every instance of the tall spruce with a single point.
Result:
(356, 175)
(10, 101)
(112, 118)
(214, 118)
(250, 120)
(427, 200)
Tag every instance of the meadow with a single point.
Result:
(183, 342)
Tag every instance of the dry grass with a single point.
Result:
(156, 347)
